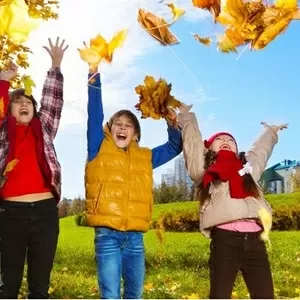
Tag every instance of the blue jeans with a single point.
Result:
(120, 254)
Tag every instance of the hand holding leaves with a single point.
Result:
(276, 128)
(9, 73)
(56, 52)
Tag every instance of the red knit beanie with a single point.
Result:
(207, 143)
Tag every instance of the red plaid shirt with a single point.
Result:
(45, 127)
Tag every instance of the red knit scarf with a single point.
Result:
(225, 169)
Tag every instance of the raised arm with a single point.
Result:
(95, 133)
(193, 146)
(262, 149)
(5, 77)
(52, 94)
(173, 147)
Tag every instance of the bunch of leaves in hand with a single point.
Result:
(156, 101)
(18, 18)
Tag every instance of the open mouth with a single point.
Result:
(24, 112)
(225, 147)
(121, 136)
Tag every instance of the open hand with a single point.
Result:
(56, 52)
(275, 127)
(9, 72)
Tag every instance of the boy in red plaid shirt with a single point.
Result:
(30, 180)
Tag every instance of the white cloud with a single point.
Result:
(81, 20)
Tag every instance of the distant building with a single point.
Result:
(180, 172)
(278, 178)
(168, 178)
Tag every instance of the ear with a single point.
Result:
(135, 138)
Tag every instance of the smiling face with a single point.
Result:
(22, 109)
(223, 142)
(123, 131)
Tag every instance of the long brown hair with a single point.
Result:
(249, 184)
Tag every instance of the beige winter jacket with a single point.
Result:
(220, 207)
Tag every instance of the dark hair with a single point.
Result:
(249, 184)
(131, 116)
(16, 94)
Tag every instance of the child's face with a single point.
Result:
(223, 142)
(22, 109)
(123, 132)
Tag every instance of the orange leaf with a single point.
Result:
(157, 27)
(214, 6)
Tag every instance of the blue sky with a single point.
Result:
(227, 94)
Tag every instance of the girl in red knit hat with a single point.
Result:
(231, 205)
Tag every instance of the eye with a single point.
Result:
(129, 125)
(230, 140)
(217, 138)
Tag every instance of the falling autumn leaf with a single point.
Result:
(156, 101)
(28, 84)
(15, 20)
(100, 49)
(254, 22)
(177, 12)
(204, 40)
(157, 27)
(271, 32)
(214, 6)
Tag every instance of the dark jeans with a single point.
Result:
(27, 229)
(231, 252)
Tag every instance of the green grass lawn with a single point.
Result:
(176, 269)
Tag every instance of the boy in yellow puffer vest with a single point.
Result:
(118, 181)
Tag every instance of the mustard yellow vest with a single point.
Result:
(118, 186)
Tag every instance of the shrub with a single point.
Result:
(187, 220)
(80, 220)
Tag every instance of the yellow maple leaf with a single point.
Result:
(28, 84)
(117, 41)
(177, 12)
(99, 49)
(91, 56)
(214, 6)
(16, 22)
(203, 40)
